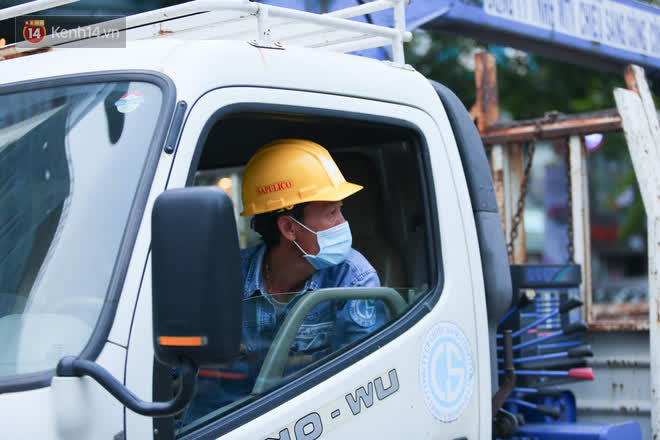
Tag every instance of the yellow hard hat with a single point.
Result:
(286, 172)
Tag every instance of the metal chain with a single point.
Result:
(569, 190)
(521, 198)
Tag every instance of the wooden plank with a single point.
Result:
(557, 117)
(640, 143)
(580, 215)
(653, 243)
(552, 126)
(514, 181)
(497, 168)
(550, 130)
(485, 78)
(643, 151)
(642, 88)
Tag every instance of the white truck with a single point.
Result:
(91, 296)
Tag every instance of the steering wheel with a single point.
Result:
(277, 355)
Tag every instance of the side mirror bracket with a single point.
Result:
(75, 367)
(196, 295)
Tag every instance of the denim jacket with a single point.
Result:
(328, 327)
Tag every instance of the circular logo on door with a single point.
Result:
(446, 371)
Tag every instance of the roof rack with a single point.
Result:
(30, 7)
(262, 25)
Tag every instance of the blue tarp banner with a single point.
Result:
(601, 33)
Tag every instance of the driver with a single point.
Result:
(294, 190)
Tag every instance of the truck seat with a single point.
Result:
(365, 212)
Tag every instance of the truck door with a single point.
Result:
(422, 373)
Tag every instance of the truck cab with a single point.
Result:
(89, 139)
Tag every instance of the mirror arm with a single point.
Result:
(74, 367)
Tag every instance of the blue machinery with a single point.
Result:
(547, 353)
(604, 34)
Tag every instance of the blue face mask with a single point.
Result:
(334, 245)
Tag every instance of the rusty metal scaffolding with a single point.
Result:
(507, 142)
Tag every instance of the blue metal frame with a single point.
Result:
(468, 18)
(471, 19)
(580, 431)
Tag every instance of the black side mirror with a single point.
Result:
(197, 295)
(197, 284)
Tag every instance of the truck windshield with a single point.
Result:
(71, 158)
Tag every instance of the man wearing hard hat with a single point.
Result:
(295, 191)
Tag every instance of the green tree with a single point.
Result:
(529, 85)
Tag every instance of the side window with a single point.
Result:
(294, 318)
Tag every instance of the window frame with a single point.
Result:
(602, 324)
